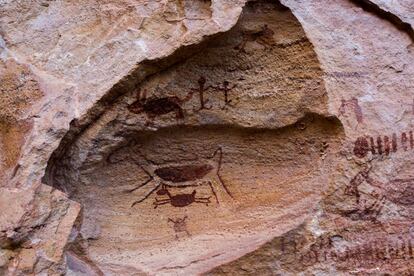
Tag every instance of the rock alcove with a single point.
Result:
(203, 162)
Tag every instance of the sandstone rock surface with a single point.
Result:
(216, 137)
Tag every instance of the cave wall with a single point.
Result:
(305, 168)
(175, 154)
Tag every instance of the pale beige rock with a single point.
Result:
(403, 9)
(42, 231)
(14, 204)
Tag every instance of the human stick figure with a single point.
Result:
(180, 226)
(354, 105)
(225, 87)
(201, 89)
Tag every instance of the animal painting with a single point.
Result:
(154, 106)
(182, 175)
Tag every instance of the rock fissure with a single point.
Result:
(374, 8)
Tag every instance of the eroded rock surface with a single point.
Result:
(19, 90)
(217, 137)
(166, 179)
(213, 135)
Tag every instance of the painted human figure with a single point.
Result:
(201, 89)
(354, 105)
(179, 226)
(365, 210)
(225, 87)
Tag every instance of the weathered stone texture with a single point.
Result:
(179, 137)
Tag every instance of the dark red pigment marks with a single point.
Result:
(352, 189)
(398, 191)
(364, 210)
(344, 75)
(384, 145)
(371, 252)
(179, 200)
(354, 106)
(361, 147)
(367, 211)
(180, 226)
(412, 107)
(264, 37)
(401, 191)
(181, 176)
(177, 174)
(411, 140)
(225, 88)
(154, 107)
(201, 89)
(376, 251)
(404, 141)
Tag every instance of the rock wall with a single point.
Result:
(206, 137)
